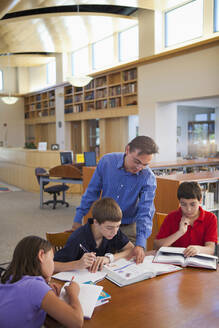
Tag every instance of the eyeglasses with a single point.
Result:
(138, 162)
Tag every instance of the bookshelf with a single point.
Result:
(109, 91)
(39, 105)
(166, 194)
(109, 98)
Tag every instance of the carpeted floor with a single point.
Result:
(20, 215)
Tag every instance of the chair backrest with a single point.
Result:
(38, 172)
(157, 221)
(160, 219)
(57, 239)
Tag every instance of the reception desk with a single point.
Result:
(17, 167)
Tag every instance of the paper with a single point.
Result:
(88, 297)
(80, 276)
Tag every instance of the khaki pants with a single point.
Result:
(130, 231)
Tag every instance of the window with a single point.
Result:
(184, 23)
(201, 117)
(216, 15)
(1, 80)
(51, 72)
(201, 137)
(128, 44)
(80, 61)
(103, 53)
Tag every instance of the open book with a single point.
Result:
(88, 297)
(123, 272)
(80, 276)
(175, 255)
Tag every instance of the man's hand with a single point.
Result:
(183, 225)
(87, 260)
(191, 251)
(137, 253)
(99, 263)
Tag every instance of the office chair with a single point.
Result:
(58, 239)
(53, 190)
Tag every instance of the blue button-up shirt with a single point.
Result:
(133, 192)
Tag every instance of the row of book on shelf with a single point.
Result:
(123, 272)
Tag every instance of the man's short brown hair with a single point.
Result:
(106, 209)
(144, 144)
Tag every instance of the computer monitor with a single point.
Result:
(90, 158)
(66, 157)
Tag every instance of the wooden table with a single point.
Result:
(184, 299)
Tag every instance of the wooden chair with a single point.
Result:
(57, 239)
(157, 222)
(160, 219)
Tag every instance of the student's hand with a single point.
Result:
(191, 251)
(87, 260)
(183, 225)
(137, 253)
(76, 225)
(72, 289)
(56, 288)
(99, 263)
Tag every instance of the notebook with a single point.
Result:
(104, 296)
(88, 297)
(80, 276)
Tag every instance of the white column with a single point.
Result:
(146, 32)
(60, 121)
(217, 127)
(166, 132)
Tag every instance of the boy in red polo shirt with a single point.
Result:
(190, 226)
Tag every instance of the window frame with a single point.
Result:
(216, 16)
(47, 73)
(166, 23)
(73, 60)
(93, 55)
(1, 80)
(119, 44)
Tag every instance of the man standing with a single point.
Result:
(127, 179)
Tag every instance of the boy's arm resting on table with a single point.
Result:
(125, 251)
(168, 241)
(68, 315)
(193, 250)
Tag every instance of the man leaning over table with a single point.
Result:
(126, 178)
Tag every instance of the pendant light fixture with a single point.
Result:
(9, 100)
(79, 80)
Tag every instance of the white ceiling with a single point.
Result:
(62, 32)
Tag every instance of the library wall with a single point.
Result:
(37, 78)
(116, 134)
(76, 137)
(12, 124)
(186, 76)
(23, 79)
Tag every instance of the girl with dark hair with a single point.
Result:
(26, 296)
